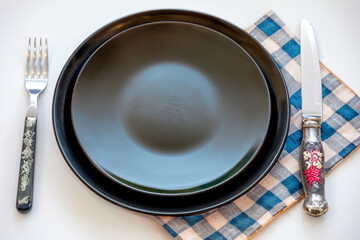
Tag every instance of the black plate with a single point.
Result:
(171, 108)
(170, 205)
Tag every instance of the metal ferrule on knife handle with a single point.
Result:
(312, 168)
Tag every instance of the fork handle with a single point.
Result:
(26, 173)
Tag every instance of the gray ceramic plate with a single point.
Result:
(123, 196)
(170, 108)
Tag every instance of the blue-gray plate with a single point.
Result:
(170, 204)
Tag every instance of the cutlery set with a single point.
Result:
(113, 164)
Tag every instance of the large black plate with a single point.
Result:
(171, 108)
(169, 205)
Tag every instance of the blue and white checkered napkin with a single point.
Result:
(282, 186)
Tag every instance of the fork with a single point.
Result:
(36, 75)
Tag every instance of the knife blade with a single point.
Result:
(310, 74)
(311, 149)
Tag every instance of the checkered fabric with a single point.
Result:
(282, 186)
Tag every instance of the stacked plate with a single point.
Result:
(170, 112)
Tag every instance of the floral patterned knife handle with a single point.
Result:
(27, 161)
(312, 168)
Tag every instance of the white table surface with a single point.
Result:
(64, 208)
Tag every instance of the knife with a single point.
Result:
(311, 150)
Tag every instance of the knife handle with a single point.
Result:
(26, 172)
(312, 168)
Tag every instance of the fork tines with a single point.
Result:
(37, 62)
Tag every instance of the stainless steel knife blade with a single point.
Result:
(311, 92)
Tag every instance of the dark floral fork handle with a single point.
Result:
(27, 161)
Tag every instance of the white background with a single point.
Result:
(63, 207)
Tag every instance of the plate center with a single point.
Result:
(170, 107)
